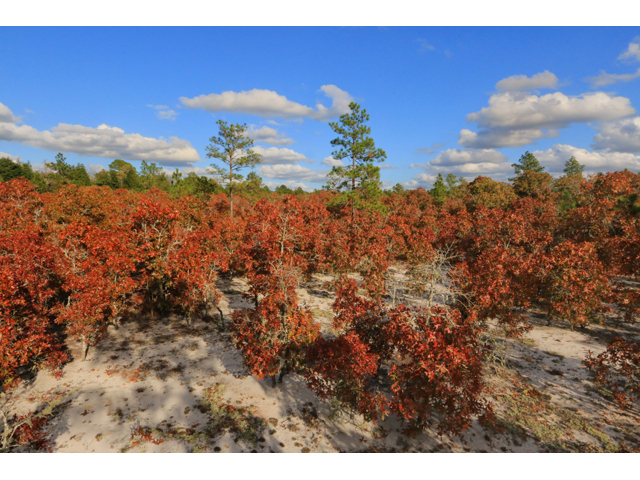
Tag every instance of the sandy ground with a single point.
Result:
(143, 389)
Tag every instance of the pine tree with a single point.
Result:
(359, 180)
(527, 163)
(439, 190)
(233, 149)
(572, 168)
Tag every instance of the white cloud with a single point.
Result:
(332, 162)
(633, 51)
(421, 180)
(620, 136)
(94, 168)
(523, 111)
(197, 170)
(164, 112)
(293, 172)
(467, 163)
(6, 115)
(278, 156)
(103, 141)
(426, 150)
(167, 114)
(455, 156)
(516, 83)
(475, 169)
(267, 103)
(15, 158)
(608, 78)
(502, 137)
(516, 119)
(292, 184)
(425, 45)
(268, 135)
(555, 157)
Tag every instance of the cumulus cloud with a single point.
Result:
(455, 156)
(423, 180)
(633, 51)
(197, 170)
(6, 115)
(267, 103)
(555, 157)
(15, 158)
(522, 111)
(471, 162)
(293, 172)
(167, 114)
(103, 141)
(620, 136)
(94, 168)
(268, 135)
(514, 119)
(292, 184)
(164, 112)
(609, 78)
(517, 83)
(279, 156)
(332, 162)
(502, 137)
(426, 150)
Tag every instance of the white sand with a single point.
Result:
(152, 373)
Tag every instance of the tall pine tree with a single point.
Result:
(358, 181)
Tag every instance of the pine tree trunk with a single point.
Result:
(230, 190)
(353, 192)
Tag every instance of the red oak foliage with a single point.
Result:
(343, 368)
(96, 266)
(577, 283)
(502, 256)
(28, 299)
(364, 247)
(88, 205)
(362, 316)
(22, 207)
(272, 336)
(413, 220)
(75, 260)
(437, 368)
(620, 359)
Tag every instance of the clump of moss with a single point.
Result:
(530, 413)
(245, 426)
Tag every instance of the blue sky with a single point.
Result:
(468, 101)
